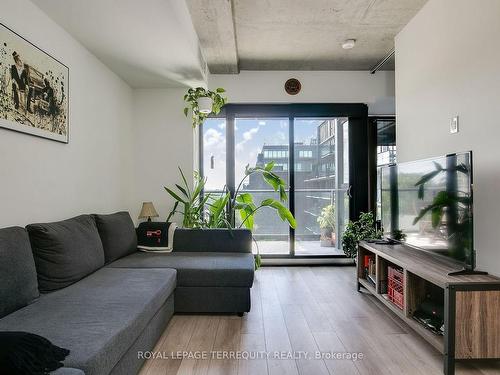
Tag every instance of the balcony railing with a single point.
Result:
(272, 234)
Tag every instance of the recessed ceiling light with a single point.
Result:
(349, 43)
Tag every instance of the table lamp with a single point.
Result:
(148, 211)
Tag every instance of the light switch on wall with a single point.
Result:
(454, 125)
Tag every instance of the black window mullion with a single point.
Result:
(291, 178)
(200, 156)
(230, 155)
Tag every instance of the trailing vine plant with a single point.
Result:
(191, 99)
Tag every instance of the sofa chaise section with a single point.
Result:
(215, 269)
(197, 268)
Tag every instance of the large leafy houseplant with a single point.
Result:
(192, 97)
(241, 209)
(243, 202)
(360, 230)
(191, 201)
(222, 210)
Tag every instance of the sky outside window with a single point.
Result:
(251, 135)
(214, 153)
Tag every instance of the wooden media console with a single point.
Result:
(470, 303)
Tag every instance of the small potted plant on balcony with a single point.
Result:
(326, 221)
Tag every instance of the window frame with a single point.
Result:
(360, 155)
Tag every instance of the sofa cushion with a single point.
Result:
(98, 318)
(213, 240)
(18, 283)
(65, 251)
(117, 232)
(197, 269)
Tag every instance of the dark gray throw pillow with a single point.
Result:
(118, 235)
(18, 284)
(65, 251)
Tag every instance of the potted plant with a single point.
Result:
(360, 230)
(221, 210)
(326, 221)
(202, 103)
(191, 200)
(398, 235)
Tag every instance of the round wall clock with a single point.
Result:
(292, 86)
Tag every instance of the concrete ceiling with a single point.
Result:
(298, 34)
(148, 43)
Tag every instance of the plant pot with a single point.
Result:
(327, 238)
(205, 104)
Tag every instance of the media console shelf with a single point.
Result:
(471, 302)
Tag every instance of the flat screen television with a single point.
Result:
(430, 202)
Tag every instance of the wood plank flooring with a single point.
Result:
(295, 310)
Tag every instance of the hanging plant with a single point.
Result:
(193, 98)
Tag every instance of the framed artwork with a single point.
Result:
(33, 89)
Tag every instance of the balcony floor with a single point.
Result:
(302, 248)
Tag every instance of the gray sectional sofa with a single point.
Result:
(105, 301)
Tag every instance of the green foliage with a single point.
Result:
(191, 202)
(217, 217)
(356, 231)
(258, 261)
(246, 208)
(219, 211)
(243, 202)
(398, 235)
(191, 99)
(326, 219)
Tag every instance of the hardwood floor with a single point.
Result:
(295, 310)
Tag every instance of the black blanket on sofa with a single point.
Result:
(24, 353)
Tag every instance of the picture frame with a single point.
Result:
(34, 89)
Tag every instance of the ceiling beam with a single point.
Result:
(213, 21)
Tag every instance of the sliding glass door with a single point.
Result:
(259, 141)
(313, 151)
(321, 175)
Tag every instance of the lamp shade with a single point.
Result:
(148, 211)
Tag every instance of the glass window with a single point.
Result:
(319, 192)
(251, 135)
(214, 153)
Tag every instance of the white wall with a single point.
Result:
(163, 140)
(43, 180)
(447, 64)
(376, 90)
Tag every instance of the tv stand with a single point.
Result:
(470, 301)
